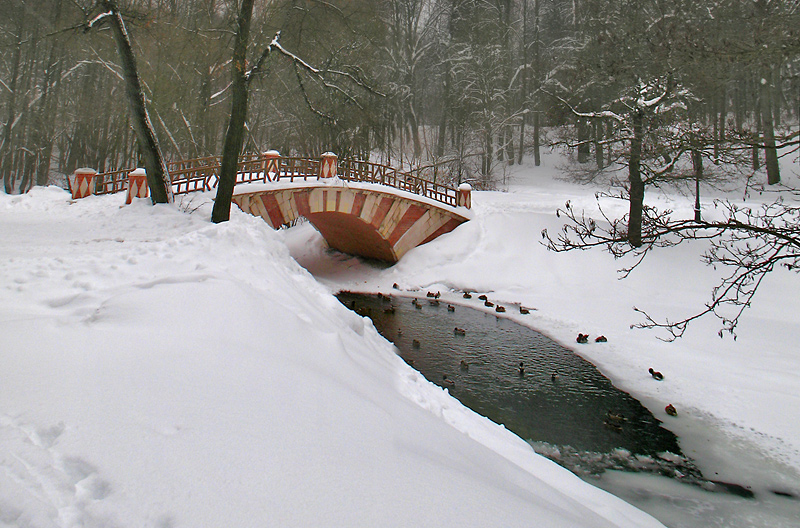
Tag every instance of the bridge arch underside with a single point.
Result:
(362, 222)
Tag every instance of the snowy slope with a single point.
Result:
(161, 371)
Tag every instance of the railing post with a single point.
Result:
(271, 165)
(83, 183)
(137, 185)
(465, 195)
(327, 165)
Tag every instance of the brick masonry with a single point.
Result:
(362, 222)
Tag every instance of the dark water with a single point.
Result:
(566, 418)
(571, 409)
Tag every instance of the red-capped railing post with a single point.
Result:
(465, 195)
(327, 165)
(137, 185)
(272, 165)
(83, 183)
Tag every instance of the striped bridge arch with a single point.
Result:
(364, 221)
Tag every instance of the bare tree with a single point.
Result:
(750, 242)
(240, 81)
(157, 173)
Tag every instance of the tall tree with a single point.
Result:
(157, 173)
(234, 137)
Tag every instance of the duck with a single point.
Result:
(415, 343)
(437, 295)
(433, 302)
(614, 417)
(464, 365)
(482, 297)
(451, 308)
(583, 338)
(467, 295)
(524, 311)
(670, 410)
(656, 374)
(488, 303)
(399, 331)
(389, 310)
(417, 304)
(521, 368)
(395, 286)
(459, 331)
(431, 295)
(600, 339)
(617, 428)
(447, 381)
(499, 308)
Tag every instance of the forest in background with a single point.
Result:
(463, 88)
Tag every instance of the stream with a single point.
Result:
(569, 412)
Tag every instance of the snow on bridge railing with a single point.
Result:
(202, 174)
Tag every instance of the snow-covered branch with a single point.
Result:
(587, 115)
(99, 18)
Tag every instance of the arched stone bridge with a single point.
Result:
(360, 208)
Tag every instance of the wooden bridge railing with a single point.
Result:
(365, 171)
(202, 174)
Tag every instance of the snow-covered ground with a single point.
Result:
(162, 371)
(158, 370)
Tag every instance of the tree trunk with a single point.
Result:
(635, 181)
(488, 153)
(234, 136)
(47, 105)
(157, 174)
(440, 140)
(537, 157)
(773, 169)
(525, 74)
(6, 150)
(697, 163)
(598, 145)
(583, 141)
(537, 67)
(759, 128)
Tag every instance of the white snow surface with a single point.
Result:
(162, 371)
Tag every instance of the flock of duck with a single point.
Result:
(613, 421)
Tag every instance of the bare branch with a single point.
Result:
(749, 242)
